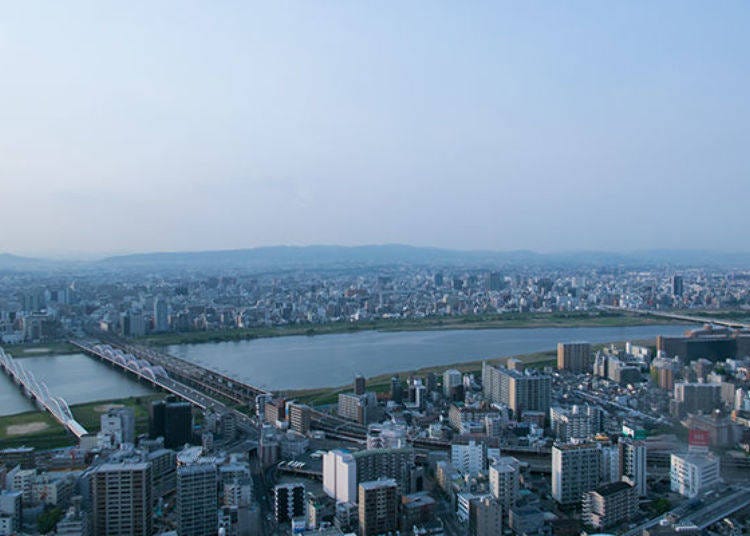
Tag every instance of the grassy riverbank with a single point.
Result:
(40, 430)
(40, 349)
(495, 321)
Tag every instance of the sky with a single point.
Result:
(548, 126)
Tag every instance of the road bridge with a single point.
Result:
(682, 317)
(158, 377)
(38, 392)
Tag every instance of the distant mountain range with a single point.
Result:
(319, 256)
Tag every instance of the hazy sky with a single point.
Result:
(141, 126)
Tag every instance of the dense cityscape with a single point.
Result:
(636, 437)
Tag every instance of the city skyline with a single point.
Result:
(503, 127)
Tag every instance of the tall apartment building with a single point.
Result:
(696, 397)
(575, 470)
(609, 505)
(119, 423)
(299, 418)
(344, 470)
(161, 318)
(520, 391)
(360, 384)
(578, 422)
(340, 476)
(469, 459)
(485, 517)
(197, 499)
(505, 478)
(452, 378)
(574, 357)
(121, 499)
(355, 407)
(288, 502)
(378, 507)
(633, 464)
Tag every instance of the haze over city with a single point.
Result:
(187, 126)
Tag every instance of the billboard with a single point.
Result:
(699, 438)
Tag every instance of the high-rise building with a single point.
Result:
(485, 517)
(340, 476)
(520, 391)
(469, 459)
(197, 499)
(633, 464)
(378, 507)
(121, 499)
(578, 422)
(359, 385)
(299, 418)
(575, 470)
(677, 285)
(161, 318)
(288, 502)
(396, 390)
(609, 505)
(574, 357)
(119, 423)
(11, 511)
(358, 408)
(696, 397)
(452, 378)
(505, 478)
(172, 420)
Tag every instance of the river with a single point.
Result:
(328, 360)
(307, 362)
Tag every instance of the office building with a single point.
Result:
(693, 472)
(172, 420)
(575, 470)
(470, 459)
(378, 507)
(288, 502)
(609, 505)
(574, 357)
(197, 499)
(632, 453)
(520, 391)
(121, 499)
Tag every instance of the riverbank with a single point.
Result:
(40, 430)
(40, 349)
(496, 321)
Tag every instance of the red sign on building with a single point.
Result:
(699, 438)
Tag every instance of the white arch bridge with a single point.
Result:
(38, 392)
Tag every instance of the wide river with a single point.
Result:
(331, 360)
(307, 362)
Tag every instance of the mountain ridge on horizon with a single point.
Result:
(320, 255)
